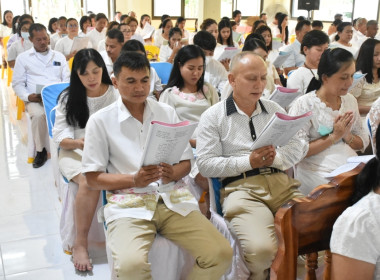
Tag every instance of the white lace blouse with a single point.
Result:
(311, 171)
(365, 92)
(374, 120)
(63, 130)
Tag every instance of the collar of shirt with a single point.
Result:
(231, 107)
(124, 114)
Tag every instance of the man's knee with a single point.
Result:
(260, 251)
(218, 253)
(133, 266)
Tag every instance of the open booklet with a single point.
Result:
(352, 162)
(284, 96)
(147, 31)
(79, 43)
(166, 142)
(228, 53)
(236, 36)
(281, 58)
(357, 78)
(280, 129)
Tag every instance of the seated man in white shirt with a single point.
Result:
(98, 33)
(361, 33)
(372, 28)
(215, 73)
(254, 185)
(296, 59)
(139, 206)
(35, 68)
(114, 43)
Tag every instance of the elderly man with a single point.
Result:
(254, 185)
(35, 68)
(361, 34)
(114, 43)
(372, 28)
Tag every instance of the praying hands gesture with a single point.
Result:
(342, 126)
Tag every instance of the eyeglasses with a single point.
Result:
(72, 25)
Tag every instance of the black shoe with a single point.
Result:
(40, 159)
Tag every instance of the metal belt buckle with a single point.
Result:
(265, 170)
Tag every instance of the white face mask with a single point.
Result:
(25, 35)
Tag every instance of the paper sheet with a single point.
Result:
(228, 53)
(284, 96)
(281, 58)
(79, 43)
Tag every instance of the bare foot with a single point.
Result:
(81, 259)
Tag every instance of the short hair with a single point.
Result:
(233, 23)
(112, 24)
(70, 19)
(301, 24)
(50, 25)
(62, 18)
(252, 44)
(317, 23)
(82, 22)
(235, 13)
(372, 22)
(36, 27)
(337, 16)
(225, 18)
(238, 57)
(130, 19)
(360, 21)
(277, 15)
(117, 12)
(336, 22)
(263, 14)
(122, 17)
(132, 60)
(115, 34)
(205, 40)
(207, 22)
(314, 38)
(364, 62)
(100, 16)
(255, 36)
(91, 16)
(133, 46)
(301, 18)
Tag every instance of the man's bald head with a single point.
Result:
(245, 58)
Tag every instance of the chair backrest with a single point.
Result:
(49, 95)
(304, 225)
(5, 42)
(152, 52)
(369, 129)
(163, 70)
(214, 192)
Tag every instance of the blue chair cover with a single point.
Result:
(216, 185)
(369, 127)
(49, 95)
(163, 70)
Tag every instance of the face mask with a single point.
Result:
(25, 35)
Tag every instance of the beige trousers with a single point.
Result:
(249, 206)
(130, 240)
(39, 127)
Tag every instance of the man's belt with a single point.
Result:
(253, 172)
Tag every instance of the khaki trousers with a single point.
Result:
(39, 127)
(249, 206)
(130, 240)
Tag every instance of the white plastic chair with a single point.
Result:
(238, 269)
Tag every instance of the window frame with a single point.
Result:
(330, 21)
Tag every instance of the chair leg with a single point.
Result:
(327, 271)
(311, 266)
(10, 74)
(20, 108)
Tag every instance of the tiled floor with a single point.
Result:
(30, 244)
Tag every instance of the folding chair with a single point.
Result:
(152, 52)
(163, 70)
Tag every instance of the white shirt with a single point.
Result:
(215, 73)
(12, 38)
(96, 36)
(62, 130)
(5, 31)
(224, 139)
(296, 59)
(356, 232)
(351, 49)
(159, 40)
(155, 83)
(55, 38)
(102, 45)
(115, 143)
(300, 78)
(274, 28)
(165, 53)
(64, 45)
(358, 39)
(138, 37)
(107, 61)
(33, 68)
(17, 48)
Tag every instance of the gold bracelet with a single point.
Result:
(332, 139)
(352, 139)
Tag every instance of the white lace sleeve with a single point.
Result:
(374, 119)
(358, 126)
(358, 88)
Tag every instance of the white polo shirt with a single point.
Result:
(96, 36)
(115, 143)
(33, 68)
(296, 59)
(107, 61)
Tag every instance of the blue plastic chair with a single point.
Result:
(163, 70)
(49, 96)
